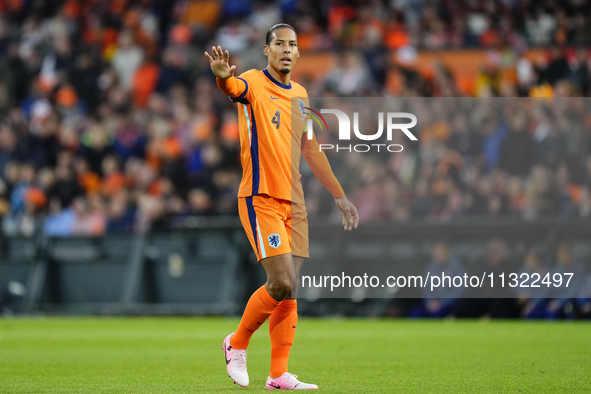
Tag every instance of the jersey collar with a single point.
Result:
(276, 82)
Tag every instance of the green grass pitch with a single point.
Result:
(183, 355)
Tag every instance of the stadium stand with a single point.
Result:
(111, 121)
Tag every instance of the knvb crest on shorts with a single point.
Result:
(274, 240)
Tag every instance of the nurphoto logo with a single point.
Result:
(345, 130)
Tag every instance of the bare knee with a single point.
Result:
(279, 288)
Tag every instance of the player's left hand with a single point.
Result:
(350, 216)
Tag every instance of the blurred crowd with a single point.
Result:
(547, 285)
(110, 119)
(519, 158)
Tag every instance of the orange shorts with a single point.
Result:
(274, 226)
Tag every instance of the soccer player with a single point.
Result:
(271, 199)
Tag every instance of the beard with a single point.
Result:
(284, 70)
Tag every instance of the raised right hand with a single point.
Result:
(220, 63)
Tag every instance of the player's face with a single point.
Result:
(283, 50)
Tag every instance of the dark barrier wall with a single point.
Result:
(210, 269)
(180, 272)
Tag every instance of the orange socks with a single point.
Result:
(282, 327)
(259, 308)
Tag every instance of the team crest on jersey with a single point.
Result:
(302, 107)
(274, 240)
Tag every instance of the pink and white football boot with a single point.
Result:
(235, 363)
(288, 381)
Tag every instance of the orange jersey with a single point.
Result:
(271, 141)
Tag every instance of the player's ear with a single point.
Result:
(266, 50)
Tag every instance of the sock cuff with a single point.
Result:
(266, 297)
(288, 305)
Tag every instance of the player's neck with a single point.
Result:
(280, 77)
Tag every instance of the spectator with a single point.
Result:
(144, 83)
(85, 79)
(66, 187)
(29, 220)
(442, 301)
(90, 216)
(113, 180)
(494, 133)
(26, 176)
(532, 299)
(516, 156)
(120, 216)
(562, 299)
(493, 301)
(8, 143)
(90, 181)
(60, 222)
(173, 71)
(128, 59)
(349, 77)
(200, 203)
(95, 146)
(129, 138)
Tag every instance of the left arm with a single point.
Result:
(320, 166)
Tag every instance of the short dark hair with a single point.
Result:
(278, 26)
